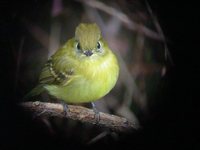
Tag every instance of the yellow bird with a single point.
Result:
(83, 70)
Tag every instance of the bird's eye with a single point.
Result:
(98, 45)
(78, 46)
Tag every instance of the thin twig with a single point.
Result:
(114, 123)
(98, 137)
(39, 34)
(159, 29)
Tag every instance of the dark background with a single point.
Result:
(175, 124)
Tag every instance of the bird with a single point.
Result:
(83, 70)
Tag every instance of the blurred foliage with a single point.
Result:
(131, 31)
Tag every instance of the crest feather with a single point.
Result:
(87, 35)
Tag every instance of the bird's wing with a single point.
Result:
(50, 75)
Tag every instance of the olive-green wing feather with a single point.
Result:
(50, 76)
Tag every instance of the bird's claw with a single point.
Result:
(97, 114)
(65, 108)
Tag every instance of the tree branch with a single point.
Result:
(115, 123)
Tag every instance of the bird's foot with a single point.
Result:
(65, 108)
(97, 114)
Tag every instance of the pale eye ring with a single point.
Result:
(98, 45)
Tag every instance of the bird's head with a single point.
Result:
(88, 40)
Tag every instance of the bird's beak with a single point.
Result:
(88, 53)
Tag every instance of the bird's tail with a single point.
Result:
(35, 91)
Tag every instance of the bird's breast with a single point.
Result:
(91, 81)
